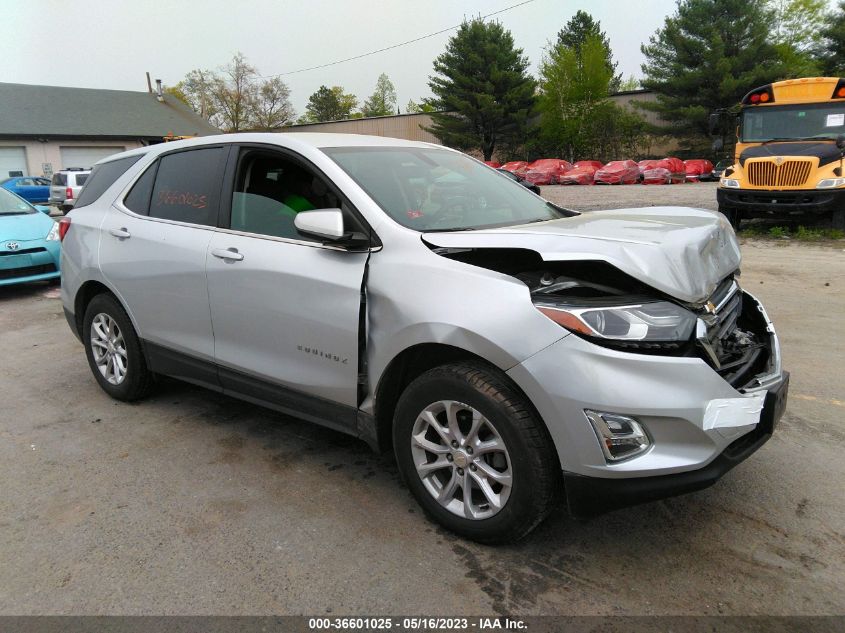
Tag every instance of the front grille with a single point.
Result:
(790, 173)
(24, 251)
(735, 341)
(28, 271)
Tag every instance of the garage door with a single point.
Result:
(12, 161)
(86, 155)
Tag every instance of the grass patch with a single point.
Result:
(802, 233)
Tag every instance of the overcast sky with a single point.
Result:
(111, 43)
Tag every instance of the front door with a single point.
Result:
(284, 306)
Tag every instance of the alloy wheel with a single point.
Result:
(109, 348)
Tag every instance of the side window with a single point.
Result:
(59, 180)
(187, 186)
(138, 198)
(270, 189)
(102, 177)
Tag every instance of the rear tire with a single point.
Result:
(470, 419)
(114, 351)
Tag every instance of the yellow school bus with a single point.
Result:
(789, 153)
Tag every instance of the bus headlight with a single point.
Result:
(830, 183)
(730, 183)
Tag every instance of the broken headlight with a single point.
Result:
(653, 321)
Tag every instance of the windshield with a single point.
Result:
(10, 204)
(440, 190)
(793, 122)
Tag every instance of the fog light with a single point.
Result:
(620, 437)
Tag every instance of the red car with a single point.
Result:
(546, 171)
(698, 169)
(662, 172)
(582, 173)
(518, 167)
(492, 163)
(618, 172)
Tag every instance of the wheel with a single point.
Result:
(837, 219)
(474, 454)
(114, 351)
(733, 217)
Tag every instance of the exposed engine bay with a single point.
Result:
(597, 301)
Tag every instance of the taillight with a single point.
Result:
(69, 193)
(64, 227)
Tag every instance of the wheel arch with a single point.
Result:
(86, 293)
(411, 363)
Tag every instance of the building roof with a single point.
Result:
(45, 111)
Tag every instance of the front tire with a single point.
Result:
(114, 351)
(474, 453)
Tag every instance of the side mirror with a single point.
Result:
(840, 142)
(714, 124)
(324, 223)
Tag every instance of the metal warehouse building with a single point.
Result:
(47, 128)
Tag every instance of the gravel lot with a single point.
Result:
(701, 195)
(195, 503)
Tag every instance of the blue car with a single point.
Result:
(31, 188)
(29, 241)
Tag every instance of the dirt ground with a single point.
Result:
(701, 195)
(195, 503)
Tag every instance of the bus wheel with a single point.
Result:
(837, 219)
(733, 217)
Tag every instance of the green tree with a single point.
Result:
(272, 108)
(833, 46)
(574, 83)
(416, 108)
(707, 56)
(629, 84)
(329, 104)
(383, 101)
(482, 91)
(582, 26)
(798, 23)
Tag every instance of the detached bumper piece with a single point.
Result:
(776, 203)
(592, 496)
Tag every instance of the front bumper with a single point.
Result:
(33, 260)
(696, 421)
(590, 496)
(762, 203)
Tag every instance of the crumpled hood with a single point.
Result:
(21, 228)
(680, 251)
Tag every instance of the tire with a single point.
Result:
(476, 391)
(837, 219)
(733, 217)
(136, 379)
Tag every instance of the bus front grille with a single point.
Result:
(790, 173)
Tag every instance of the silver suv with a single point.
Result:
(65, 187)
(507, 350)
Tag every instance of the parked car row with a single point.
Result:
(555, 171)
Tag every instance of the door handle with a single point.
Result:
(227, 253)
(122, 233)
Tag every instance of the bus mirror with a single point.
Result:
(715, 123)
(840, 142)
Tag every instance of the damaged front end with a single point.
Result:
(596, 301)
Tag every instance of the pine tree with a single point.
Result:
(707, 56)
(580, 27)
(482, 90)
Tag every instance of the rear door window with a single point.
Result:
(102, 177)
(81, 178)
(187, 186)
(60, 180)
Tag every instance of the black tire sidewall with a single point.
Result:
(136, 370)
(505, 524)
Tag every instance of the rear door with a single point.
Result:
(153, 250)
(285, 307)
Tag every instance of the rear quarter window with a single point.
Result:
(60, 180)
(81, 178)
(102, 177)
